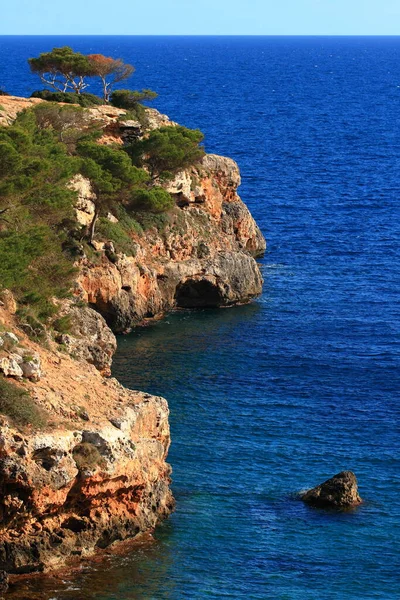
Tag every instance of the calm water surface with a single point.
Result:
(273, 397)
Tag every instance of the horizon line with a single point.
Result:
(260, 35)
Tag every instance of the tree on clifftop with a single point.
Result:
(110, 71)
(62, 69)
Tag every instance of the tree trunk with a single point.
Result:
(92, 226)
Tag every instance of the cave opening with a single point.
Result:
(198, 293)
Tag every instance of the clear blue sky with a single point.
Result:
(204, 17)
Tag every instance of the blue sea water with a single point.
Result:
(274, 397)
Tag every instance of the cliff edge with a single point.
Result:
(82, 459)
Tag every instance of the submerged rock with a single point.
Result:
(341, 491)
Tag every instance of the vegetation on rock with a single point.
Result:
(168, 150)
(39, 235)
(129, 99)
(87, 456)
(16, 404)
(85, 100)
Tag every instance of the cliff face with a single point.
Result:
(203, 257)
(97, 473)
(94, 474)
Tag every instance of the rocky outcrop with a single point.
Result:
(11, 106)
(89, 337)
(93, 471)
(84, 206)
(202, 257)
(17, 361)
(70, 492)
(340, 492)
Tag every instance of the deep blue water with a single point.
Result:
(274, 397)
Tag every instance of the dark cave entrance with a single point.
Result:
(198, 293)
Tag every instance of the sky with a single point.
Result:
(200, 17)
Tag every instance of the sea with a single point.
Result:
(274, 397)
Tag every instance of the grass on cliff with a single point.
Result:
(87, 456)
(16, 404)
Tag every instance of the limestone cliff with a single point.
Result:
(96, 472)
(92, 474)
(203, 257)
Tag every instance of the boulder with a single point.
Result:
(9, 338)
(31, 367)
(90, 339)
(10, 367)
(8, 302)
(341, 491)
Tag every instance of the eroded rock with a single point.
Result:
(341, 491)
(90, 339)
(120, 491)
(11, 367)
(7, 300)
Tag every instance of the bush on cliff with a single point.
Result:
(87, 456)
(154, 200)
(16, 404)
(85, 100)
(112, 175)
(34, 202)
(131, 101)
(168, 150)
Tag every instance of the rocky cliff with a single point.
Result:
(201, 256)
(95, 471)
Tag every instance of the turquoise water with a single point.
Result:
(274, 397)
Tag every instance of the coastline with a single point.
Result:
(88, 485)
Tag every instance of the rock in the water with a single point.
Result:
(340, 491)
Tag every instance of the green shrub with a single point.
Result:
(87, 456)
(127, 221)
(63, 324)
(131, 102)
(152, 220)
(84, 100)
(10, 160)
(16, 404)
(155, 200)
(115, 233)
(34, 169)
(168, 150)
(129, 99)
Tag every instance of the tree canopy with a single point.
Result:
(64, 70)
(110, 71)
